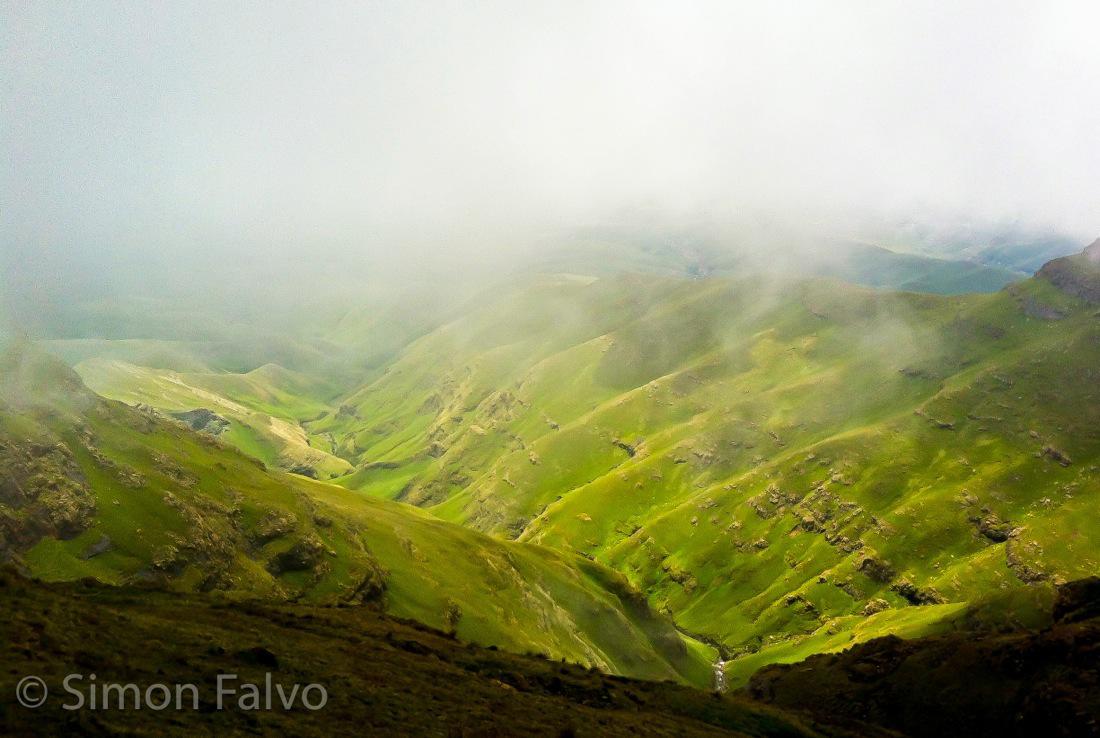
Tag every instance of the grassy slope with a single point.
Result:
(798, 453)
(1016, 682)
(264, 406)
(187, 511)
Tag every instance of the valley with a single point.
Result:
(94, 488)
(782, 467)
(493, 369)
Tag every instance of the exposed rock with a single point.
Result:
(992, 527)
(305, 555)
(683, 578)
(174, 471)
(203, 420)
(1078, 601)
(1077, 275)
(874, 606)
(802, 604)
(371, 588)
(876, 570)
(915, 595)
(809, 524)
(43, 493)
(1057, 456)
(304, 470)
(630, 450)
(103, 545)
(168, 559)
(1024, 571)
(275, 524)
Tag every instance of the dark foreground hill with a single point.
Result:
(1021, 683)
(383, 676)
(386, 676)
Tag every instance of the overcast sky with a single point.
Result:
(229, 128)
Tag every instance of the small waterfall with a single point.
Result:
(719, 675)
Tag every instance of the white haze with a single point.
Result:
(163, 135)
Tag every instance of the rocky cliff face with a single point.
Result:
(42, 493)
(1077, 275)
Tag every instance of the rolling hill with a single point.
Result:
(96, 488)
(784, 467)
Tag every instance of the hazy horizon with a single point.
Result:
(146, 138)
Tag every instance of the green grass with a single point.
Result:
(764, 460)
(201, 506)
(751, 409)
(264, 406)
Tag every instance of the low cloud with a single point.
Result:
(141, 134)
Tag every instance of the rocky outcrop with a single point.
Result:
(1077, 275)
(202, 420)
(275, 524)
(876, 570)
(991, 527)
(1057, 456)
(308, 554)
(631, 449)
(915, 595)
(43, 493)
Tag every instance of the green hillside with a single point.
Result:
(95, 488)
(261, 409)
(784, 467)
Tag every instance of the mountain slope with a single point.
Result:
(785, 467)
(261, 409)
(382, 676)
(1014, 683)
(96, 488)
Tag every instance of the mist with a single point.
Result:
(258, 140)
